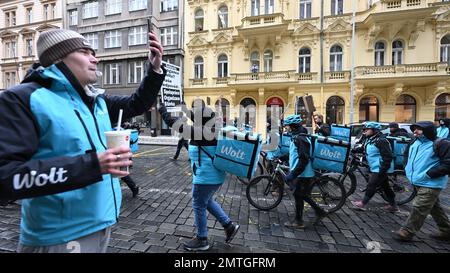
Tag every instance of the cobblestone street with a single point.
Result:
(161, 218)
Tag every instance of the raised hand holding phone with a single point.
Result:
(155, 48)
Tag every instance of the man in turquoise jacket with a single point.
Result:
(53, 152)
(427, 163)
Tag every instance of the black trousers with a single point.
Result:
(181, 142)
(130, 183)
(377, 180)
(302, 194)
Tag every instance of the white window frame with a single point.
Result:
(11, 49)
(269, 6)
(255, 9)
(199, 20)
(111, 70)
(29, 47)
(397, 53)
(169, 36)
(113, 39)
(445, 51)
(306, 5)
(135, 69)
(113, 7)
(134, 5)
(304, 59)
(137, 35)
(73, 17)
(90, 10)
(199, 68)
(53, 10)
(268, 60)
(337, 7)
(336, 59)
(10, 79)
(222, 68)
(92, 38)
(380, 54)
(169, 5)
(222, 17)
(10, 18)
(29, 15)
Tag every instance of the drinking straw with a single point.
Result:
(120, 120)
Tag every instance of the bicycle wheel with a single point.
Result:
(259, 171)
(328, 193)
(403, 189)
(349, 182)
(265, 193)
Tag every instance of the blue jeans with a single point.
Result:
(202, 200)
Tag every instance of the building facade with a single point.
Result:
(118, 31)
(20, 25)
(271, 52)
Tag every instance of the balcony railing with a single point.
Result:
(447, 69)
(275, 76)
(262, 20)
(198, 81)
(304, 77)
(402, 70)
(398, 4)
(222, 80)
(337, 76)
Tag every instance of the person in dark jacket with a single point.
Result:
(127, 179)
(396, 131)
(320, 128)
(53, 152)
(444, 127)
(206, 178)
(301, 172)
(427, 165)
(380, 158)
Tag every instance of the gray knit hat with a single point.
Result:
(55, 44)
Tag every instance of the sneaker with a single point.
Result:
(441, 236)
(135, 191)
(294, 224)
(390, 208)
(358, 205)
(230, 232)
(196, 244)
(402, 235)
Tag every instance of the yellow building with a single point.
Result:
(269, 52)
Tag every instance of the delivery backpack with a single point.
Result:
(329, 154)
(341, 132)
(237, 152)
(398, 145)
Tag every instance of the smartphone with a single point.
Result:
(149, 25)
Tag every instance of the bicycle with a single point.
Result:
(259, 171)
(265, 192)
(403, 189)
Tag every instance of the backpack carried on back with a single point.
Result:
(398, 145)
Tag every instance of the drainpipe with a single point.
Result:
(321, 42)
(352, 88)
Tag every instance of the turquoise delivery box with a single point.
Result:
(398, 145)
(330, 154)
(341, 132)
(134, 138)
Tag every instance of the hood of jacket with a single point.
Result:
(429, 130)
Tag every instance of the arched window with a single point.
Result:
(223, 105)
(199, 17)
(254, 60)
(397, 52)
(269, 6)
(222, 68)
(335, 110)
(368, 109)
(304, 60)
(198, 103)
(445, 49)
(405, 109)
(274, 107)
(301, 110)
(442, 109)
(379, 54)
(248, 111)
(336, 58)
(305, 9)
(268, 58)
(255, 8)
(223, 17)
(198, 67)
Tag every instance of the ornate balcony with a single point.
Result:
(263, 77)
(404, 70)
(337, 76)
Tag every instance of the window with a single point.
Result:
(137, 5)
(445, 49)
(222, 69)
(29, 47)
(442, 109)
(255, 8)
(113, 39)
(73, 17)
(169, 36)
(29, 13)
(53, 10)
(10, 18)
(248, 111)
(223, 17)
(254, 60)
(397, 52)
(304, 60)
(49, 11)
(335, 110)
(199, 20)
(10, 79)
(137, 36)
(405, 109)
(269, 7)
(112, 72)
(113, 7)
(301, 110)
(337, 7)
(46, 12)
(379, 54)
(305, 9)
(135, 72)
(10, 49)
(169, 59)
(92, 39)
(223, 105)
(90, 10)
(198, 67)
(368, 109)
(268, 58)
(336, 58)
(169, 5)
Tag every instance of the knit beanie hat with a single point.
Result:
(55, 44)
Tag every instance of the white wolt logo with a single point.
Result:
(239, 154)
(330, 154)
(32, 178)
